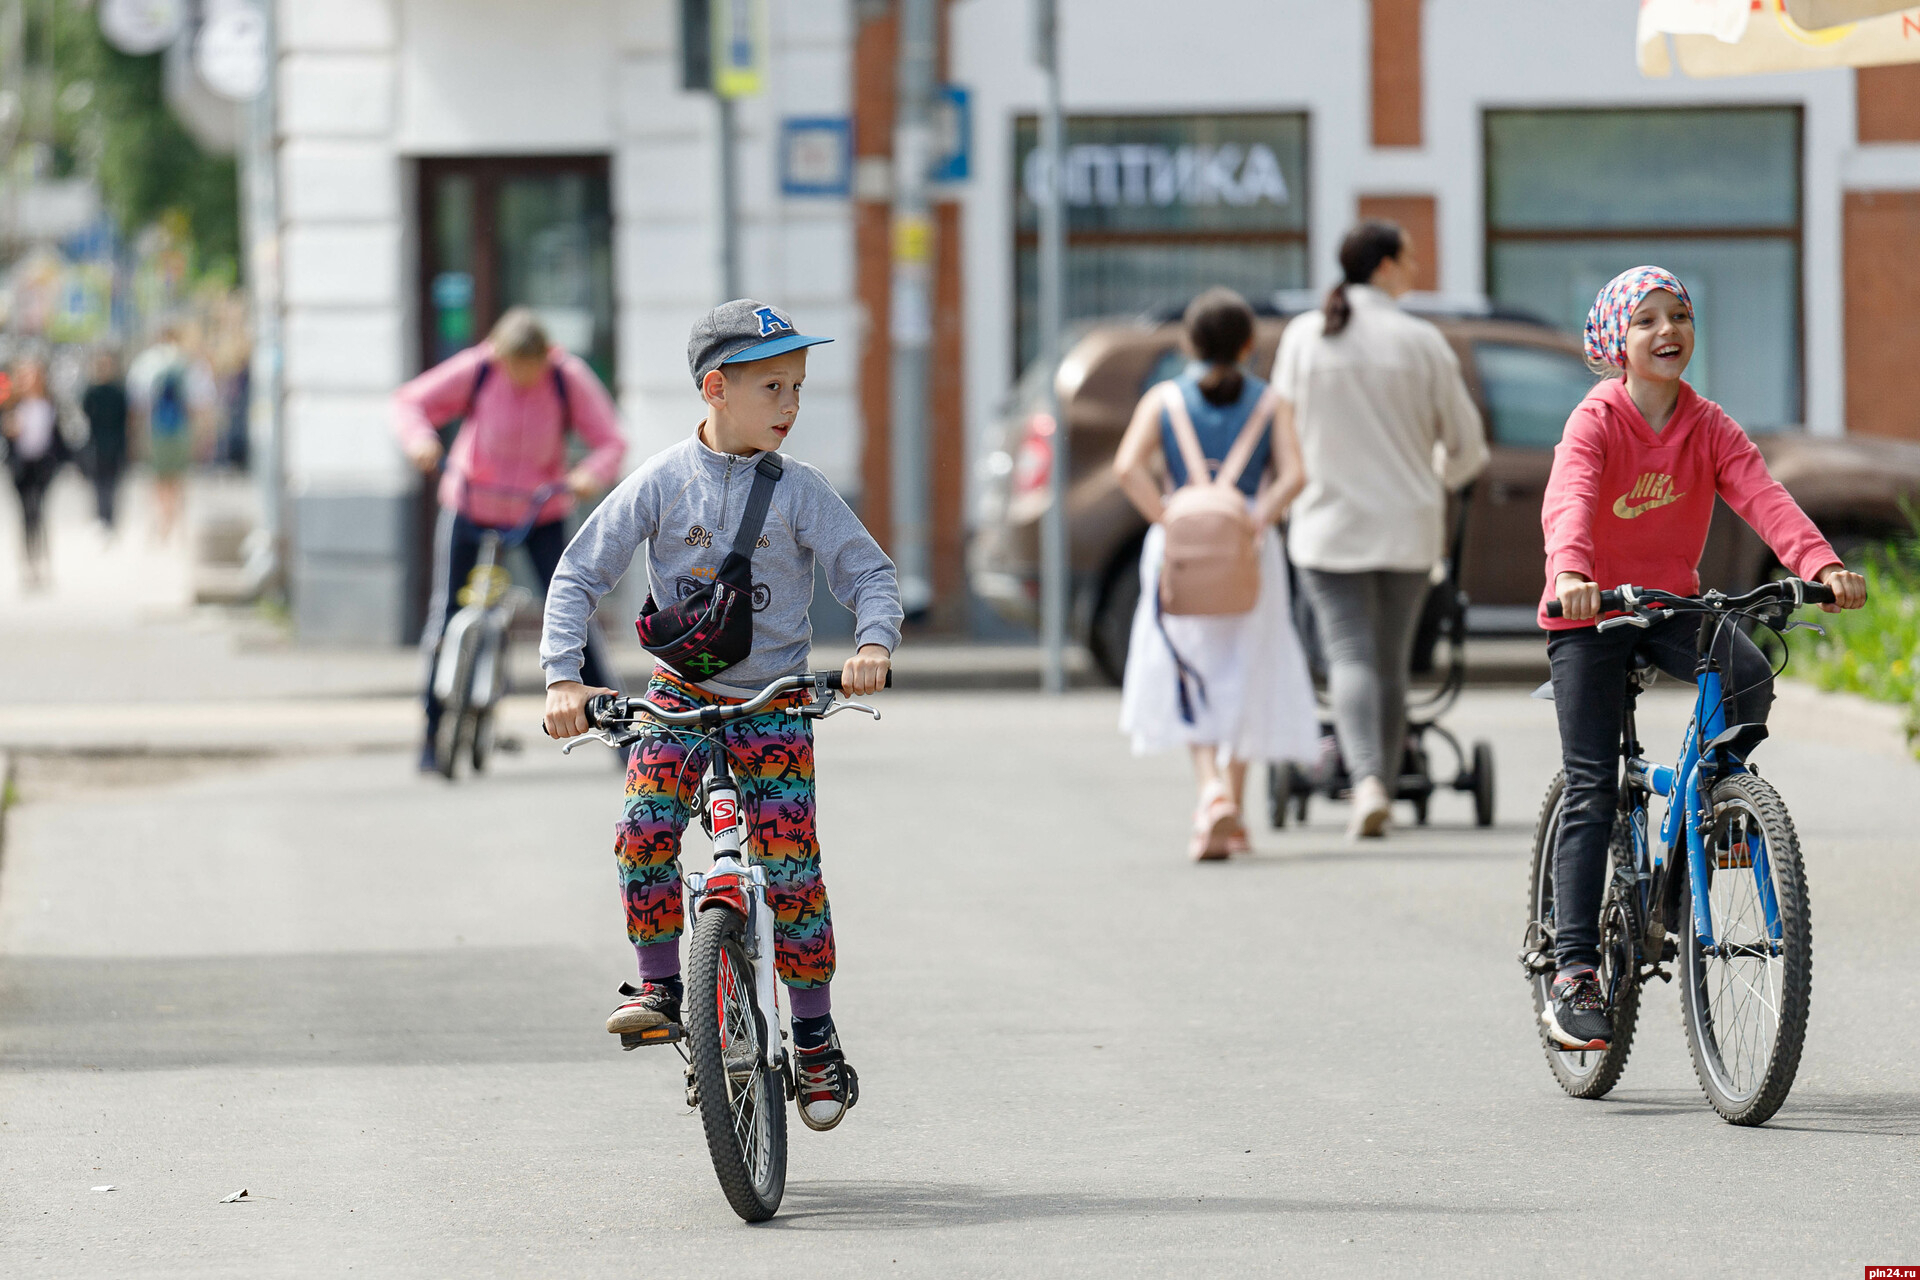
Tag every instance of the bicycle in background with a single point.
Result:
(739, 1073)
(1718, 888)
(470, 670)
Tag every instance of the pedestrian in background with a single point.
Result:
(104, 405)
(517, 396)
(1375, 394)
(1231, 688)
(169, 391)
(31, 425)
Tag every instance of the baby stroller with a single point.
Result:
(1291, 786)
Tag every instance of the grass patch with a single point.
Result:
(1872, 651)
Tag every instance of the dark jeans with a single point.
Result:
(106, 486)
(31, 479)
(1589, 693)
(456, 549)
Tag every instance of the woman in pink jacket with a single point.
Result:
(517, 396)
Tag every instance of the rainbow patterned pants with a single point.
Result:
(772, 757)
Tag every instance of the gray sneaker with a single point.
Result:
(1576, 1014)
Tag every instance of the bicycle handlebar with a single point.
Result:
(604, 708)
(1639, 600)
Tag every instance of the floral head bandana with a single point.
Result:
(1607, 322)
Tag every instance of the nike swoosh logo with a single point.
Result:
(1628, 511)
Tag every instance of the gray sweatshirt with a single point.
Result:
(685, 502)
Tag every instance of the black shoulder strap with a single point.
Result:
(479, 381)
(560, 389)
(766, 473)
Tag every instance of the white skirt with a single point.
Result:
(1257, 702)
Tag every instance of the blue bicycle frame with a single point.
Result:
(1696, 773)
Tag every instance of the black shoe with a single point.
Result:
(1576, 1015)
(826, 1085)
(654, 1004)
(429, 758)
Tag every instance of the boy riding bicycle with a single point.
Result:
(1629, 501)
(686, 503)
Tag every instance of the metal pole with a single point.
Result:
(910, 324)
(1055, 565)
(262, 184)
(729, 201)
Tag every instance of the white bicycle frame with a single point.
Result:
(742, 881)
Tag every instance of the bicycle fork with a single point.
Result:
(736, 884)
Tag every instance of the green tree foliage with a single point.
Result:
(148, 165)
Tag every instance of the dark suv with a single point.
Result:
(1525, 376)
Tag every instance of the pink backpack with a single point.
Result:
(1212, 564)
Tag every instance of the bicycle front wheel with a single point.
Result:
(1746, 989)
(742, 1102)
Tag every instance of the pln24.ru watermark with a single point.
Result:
(1893, 1273)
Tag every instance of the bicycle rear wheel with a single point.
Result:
(1744, 998)
(1584, 1073)
(742, 1102)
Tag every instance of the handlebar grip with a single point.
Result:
(830, 680)
(1816, 593)
(1610, 602)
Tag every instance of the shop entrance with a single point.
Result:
(502, 231)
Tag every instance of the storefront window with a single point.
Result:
(1161, 207)
(1713, 194)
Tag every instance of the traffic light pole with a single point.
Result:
(910, 313)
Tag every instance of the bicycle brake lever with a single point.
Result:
(1624, 620)
(1797, 623)
(598, 735)
(838, 707)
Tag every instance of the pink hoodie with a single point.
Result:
(513, 441)
(1627, 506)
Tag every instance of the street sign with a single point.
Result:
(739, 47)
(952, 134)
(816, 156)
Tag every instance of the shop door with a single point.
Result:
(502, 231)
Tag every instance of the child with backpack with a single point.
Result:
(1214, 663)
(694, 505)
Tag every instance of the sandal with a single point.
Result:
(1213, 823)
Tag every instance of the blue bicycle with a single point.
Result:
(1718, 888)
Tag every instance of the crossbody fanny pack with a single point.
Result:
(712, 629)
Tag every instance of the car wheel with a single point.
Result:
(1112, 626)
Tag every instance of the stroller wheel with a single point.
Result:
(1483, 784)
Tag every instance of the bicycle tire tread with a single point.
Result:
(1797, 976)
(713, 932)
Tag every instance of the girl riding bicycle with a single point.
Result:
(1631, 495)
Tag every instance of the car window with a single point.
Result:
(1529, 391)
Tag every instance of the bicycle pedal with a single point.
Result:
(667, 1033)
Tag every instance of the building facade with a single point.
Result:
(442, 158)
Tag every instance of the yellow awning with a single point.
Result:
(1754, 37)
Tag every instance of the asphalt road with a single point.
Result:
(374, 1001)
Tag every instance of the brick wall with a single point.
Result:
(1882, 234)
(1396, 73)
(1418, 216)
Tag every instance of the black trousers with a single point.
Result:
(456, 549)
(31, 479)
(107, 469)
(1589, 691)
